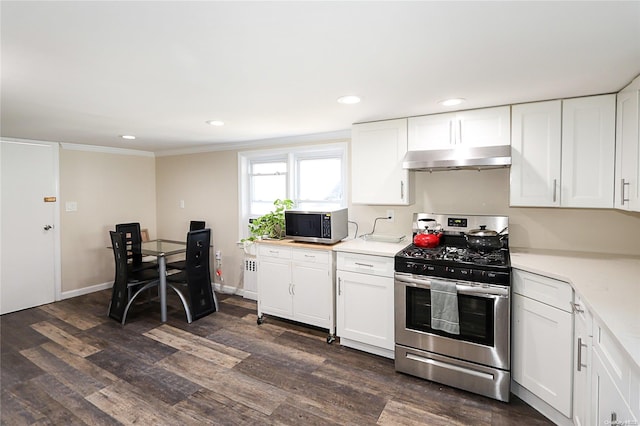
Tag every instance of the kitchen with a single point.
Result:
(163, 179)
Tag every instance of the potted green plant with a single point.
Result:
(270, 225)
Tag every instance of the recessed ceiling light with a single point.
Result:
(129, 137)
(452, 102)
(215, 123)
(349, 99)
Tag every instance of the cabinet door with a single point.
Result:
(583, 325)
(377, 176)
(542, 351)
(274, 287)
(609, 407)
(312, 291)
(365, 309)
(588, 151)
(535, 154)
(627, 180)
(484, 127)
(429, 132)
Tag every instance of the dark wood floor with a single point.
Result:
(66, 363)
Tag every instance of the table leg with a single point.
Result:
(162, 271)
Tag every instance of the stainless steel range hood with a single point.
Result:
(460, 158)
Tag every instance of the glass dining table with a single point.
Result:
(161, 249)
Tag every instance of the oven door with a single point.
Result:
(484, 315)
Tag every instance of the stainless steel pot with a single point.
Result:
(484, 239)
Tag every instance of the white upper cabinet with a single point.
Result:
(627, 180)
(588, 151)
(479, 127)
(563, 153)
(535, 154)
(377, 176)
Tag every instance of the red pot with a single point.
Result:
(427, 240)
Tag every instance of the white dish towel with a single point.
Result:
(444, 307)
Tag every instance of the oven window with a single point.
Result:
(475, 314)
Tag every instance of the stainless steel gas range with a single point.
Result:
(452, 306)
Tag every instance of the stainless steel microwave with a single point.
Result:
(326, 227)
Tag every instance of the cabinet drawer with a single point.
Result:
(313, 256)
(268, 250)
(364, 263)
(552, 292)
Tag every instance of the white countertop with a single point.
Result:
(608, 284)
(376, 248)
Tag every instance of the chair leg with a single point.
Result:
(187, 310)
(215, 299)
(144, 287)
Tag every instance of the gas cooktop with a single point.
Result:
(452, 258)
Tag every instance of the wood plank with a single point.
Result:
(81, 364)
(396, 413)
(157, 382)
(206, 404)
(39, 403)
(197, 346)
(72, 401)
(78, 320)
(65, 373)
(129, 406)
(15, 411)
(65, 339)
(242, 389)
(131, 340)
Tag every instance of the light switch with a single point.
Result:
(181, 204)
(71, 206)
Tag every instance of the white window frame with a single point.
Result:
(292, 155)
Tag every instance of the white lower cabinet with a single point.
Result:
(582, 364)
(542, 349)
(365, 303)
(297, 284)
(614, 382)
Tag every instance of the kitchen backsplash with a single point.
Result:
(487, 192)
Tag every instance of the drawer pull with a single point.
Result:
(364, 264)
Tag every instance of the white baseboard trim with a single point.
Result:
(85, 290)
(227, 289)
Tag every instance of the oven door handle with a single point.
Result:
(471, 290)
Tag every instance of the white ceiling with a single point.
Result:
(87, 72)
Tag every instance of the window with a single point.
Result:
(313, 177)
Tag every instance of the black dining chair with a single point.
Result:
(196, 276)
(132, 237)
(194, 225)
(127, 284)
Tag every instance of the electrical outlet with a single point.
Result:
(391, 215)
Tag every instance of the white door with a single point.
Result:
(365, 309)
(588, 151)
(29, 218)
(535, 154)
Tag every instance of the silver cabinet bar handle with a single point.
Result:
(459, 132)
(364, 264)
(339, 286)
(622, 185)
(401, 189)
(580, 346)
(555, 189)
